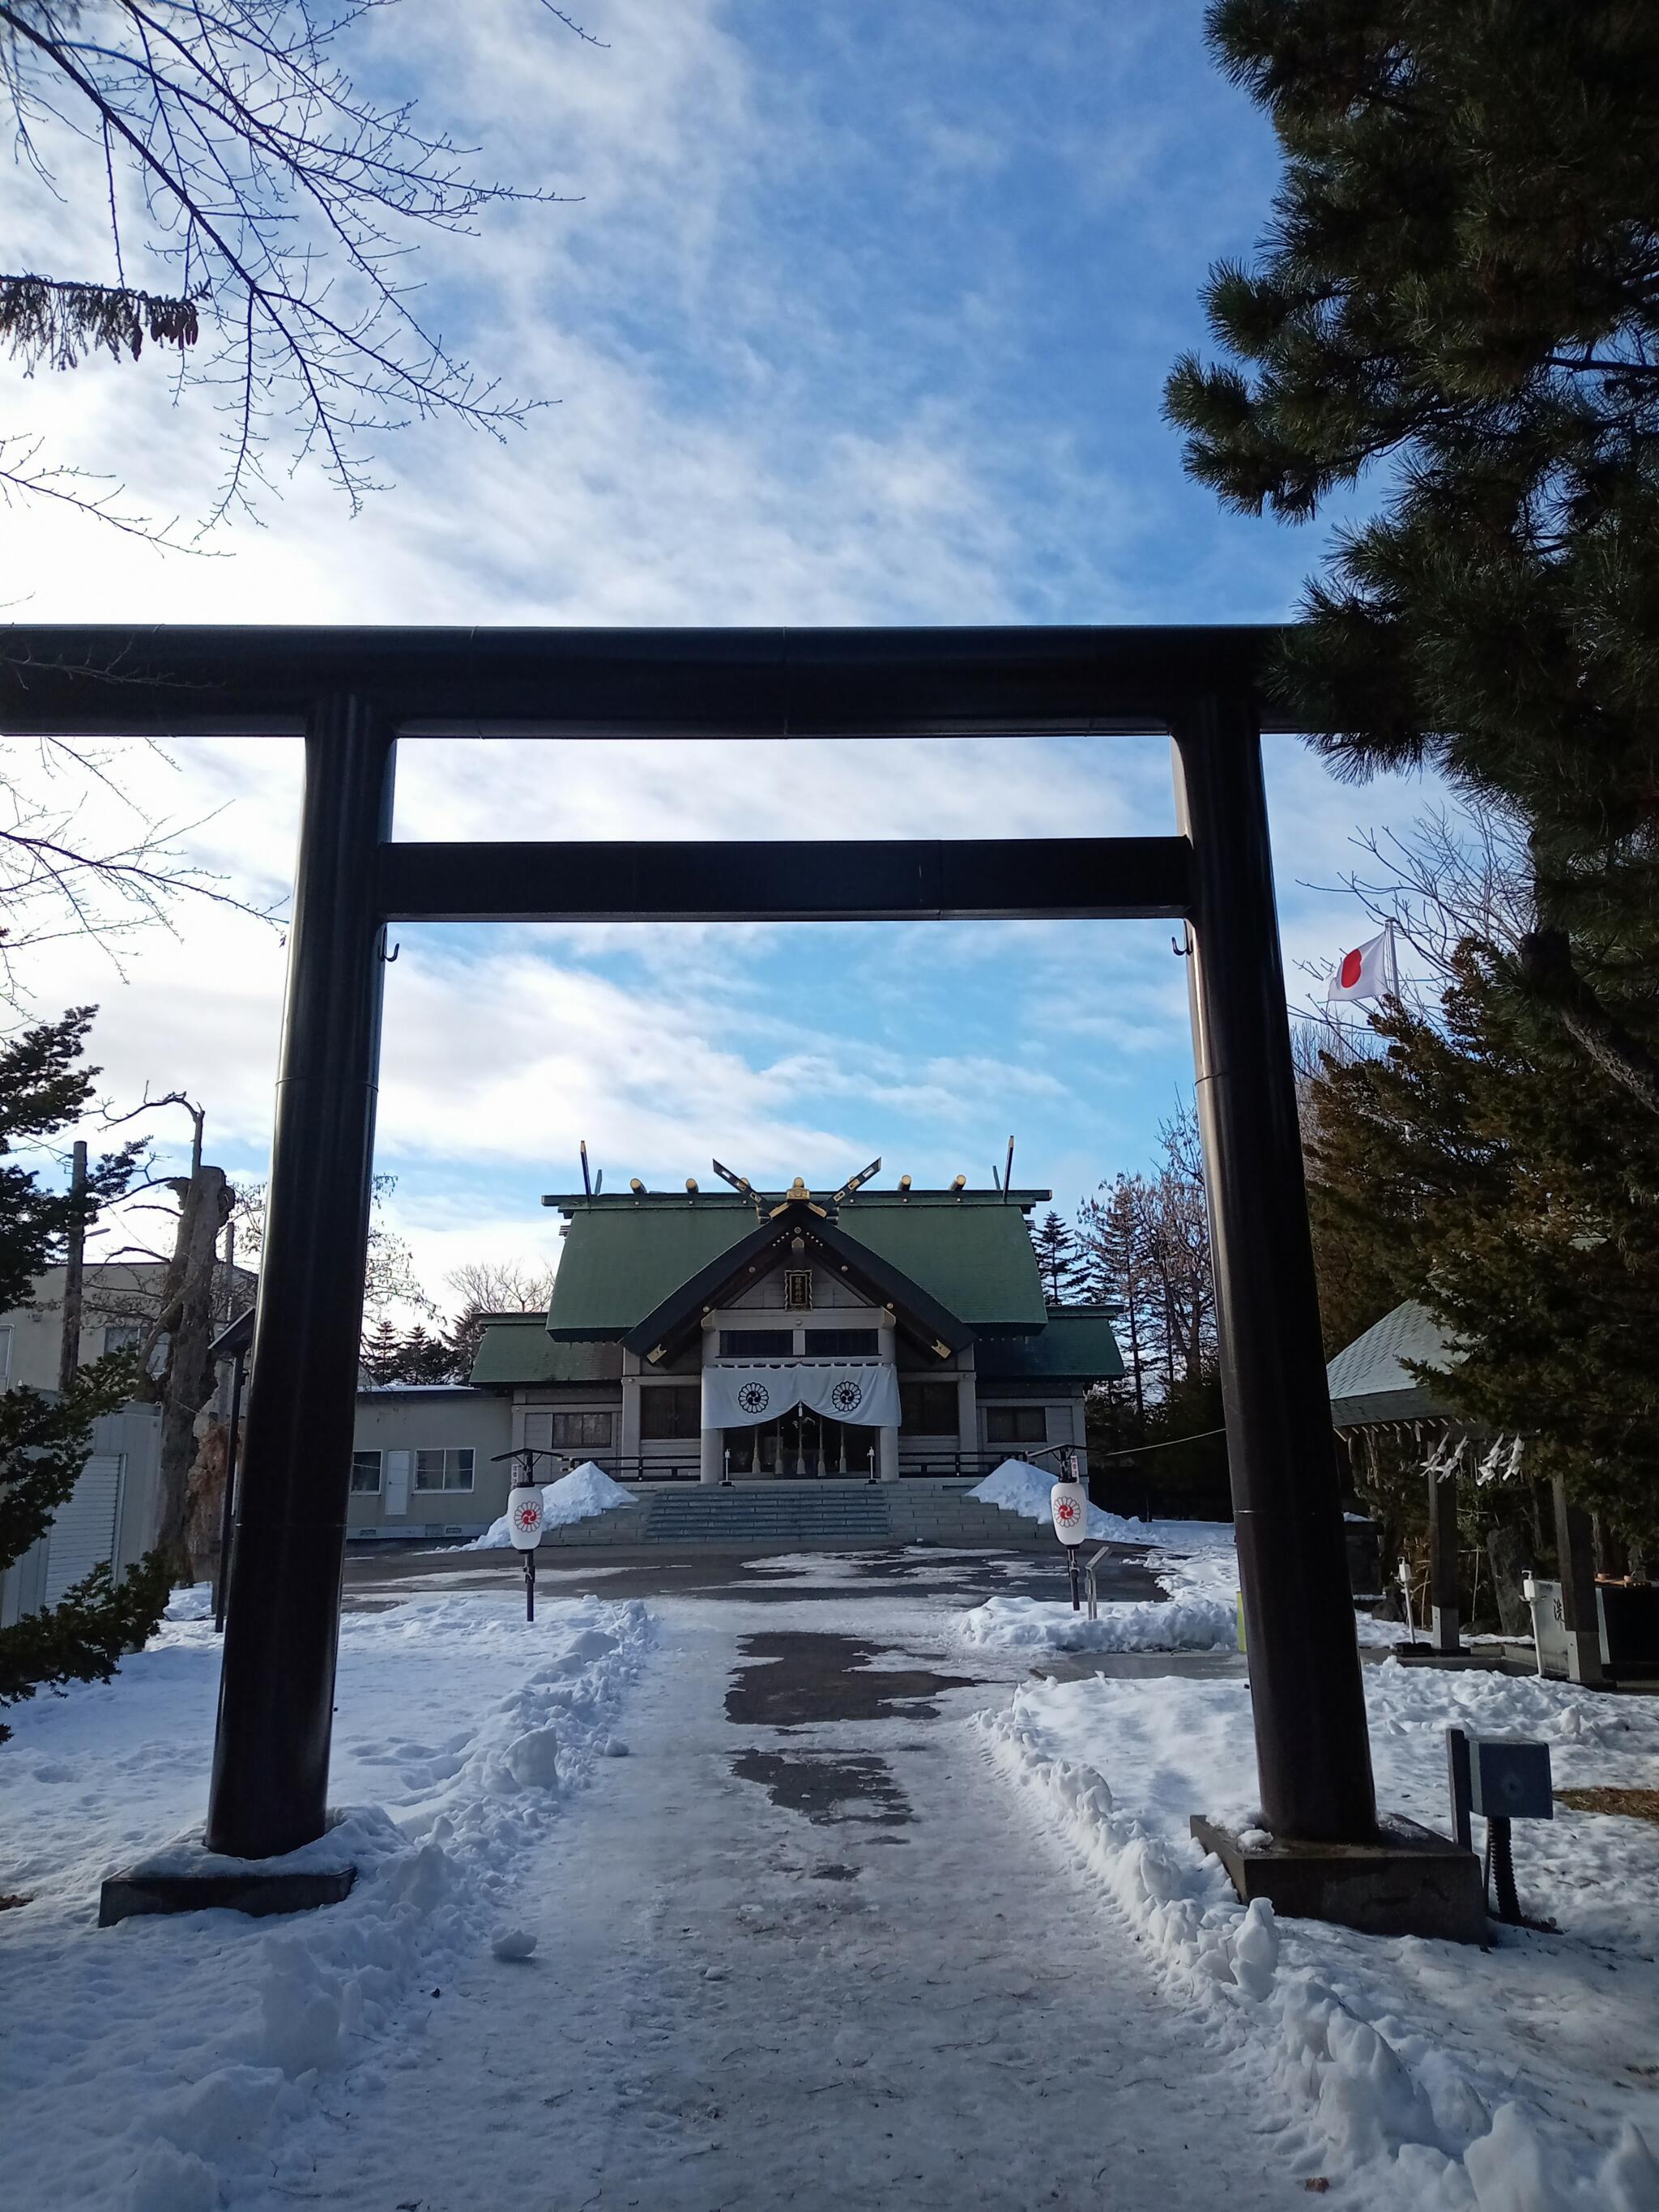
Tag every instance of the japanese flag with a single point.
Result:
(1367, 972)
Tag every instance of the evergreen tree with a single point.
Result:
(1459, 291)
(1517, 1199)
(378, 1352)
(465, 1336)
(1060, 1261)
(424, 1359)
(45, 1439)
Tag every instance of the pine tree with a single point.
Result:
(378, 1351)
(1459, 292)
(45, 1440)
(1060, 1262)
(1519, 1201)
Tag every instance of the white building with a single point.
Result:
(779, 1336)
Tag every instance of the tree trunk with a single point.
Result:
(1509, 1555)
(186, 1382)
(204, 1501)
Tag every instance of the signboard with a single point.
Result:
(1549, 1626)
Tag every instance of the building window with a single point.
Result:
(581, 1431)
(450, 1469)
(670, 1412)
(843, 1343)
(122, 1336)
(756, 1343)
(798, 1289)
(365, 1474)
(928, 1409)
(1017, 1425)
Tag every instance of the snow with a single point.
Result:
(587, 1490)
(1512, 2081)
(1018, 1487)
(1028, 1624)
(559, 1960)
(173, 2064)
(1196, 1561)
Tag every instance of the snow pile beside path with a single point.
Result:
(178, 2064)
(585, 1491)
(1428, 2072)
(1018, 1487)
(1028, 1624)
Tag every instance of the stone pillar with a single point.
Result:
(1575, 1548)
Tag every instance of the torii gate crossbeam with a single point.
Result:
(353, 692)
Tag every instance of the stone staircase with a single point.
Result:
(771, 1515)
(794, 1516)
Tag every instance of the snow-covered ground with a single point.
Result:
(168, 2064)
(745, 1989)
(1522, 2079)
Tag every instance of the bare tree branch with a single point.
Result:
(236, 157)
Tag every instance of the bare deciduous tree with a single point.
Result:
(259, 210)
(390, 1282)
(1146, 1241)
(503, 1285)
(64, 874)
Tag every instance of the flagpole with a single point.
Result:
(1393, 958)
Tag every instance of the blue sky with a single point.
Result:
(862, 316)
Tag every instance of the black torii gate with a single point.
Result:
(353, 692)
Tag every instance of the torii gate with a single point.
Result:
(354, 692)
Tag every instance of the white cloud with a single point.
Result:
(740, 438)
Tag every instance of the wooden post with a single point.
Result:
(69, 1349)
(1445, 1622)
(281, 1626)
(1313, 1754)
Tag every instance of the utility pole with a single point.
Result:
(68, 1350)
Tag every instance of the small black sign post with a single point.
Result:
(524, 1513)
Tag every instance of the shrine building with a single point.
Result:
(751, 1337)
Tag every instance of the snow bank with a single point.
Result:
(1451, 2079)
(585, 1491)
(1028, 1624)
(191, 1602)
(1018, 1487)
(165, 2065)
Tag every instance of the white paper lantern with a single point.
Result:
(1068, 1501)
(524, 1518)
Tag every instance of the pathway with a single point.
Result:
(802, 1949)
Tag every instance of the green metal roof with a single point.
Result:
(518, 1351)
(623, 1255)
(1368, 1381)
(1077, 1345)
